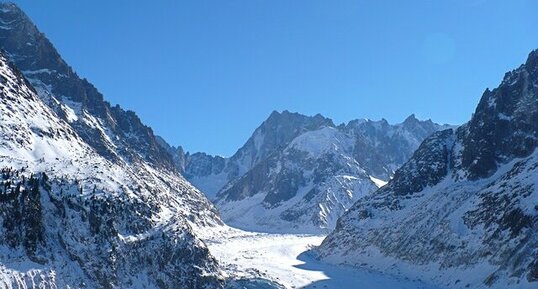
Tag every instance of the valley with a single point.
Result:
(91, 197)
(285, 259)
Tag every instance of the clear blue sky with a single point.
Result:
(205, 74)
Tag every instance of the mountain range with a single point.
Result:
(90, 197)
(299, 173)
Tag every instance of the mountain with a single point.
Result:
(299, 173)
(114, 133)
(211, 173)
(462, 212)
(88, 197)
(74, 218)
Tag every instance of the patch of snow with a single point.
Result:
(39, 71)
(320, 141)
(503, 116)
(379, 183)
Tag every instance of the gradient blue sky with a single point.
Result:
(204, 74)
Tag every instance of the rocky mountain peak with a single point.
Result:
(275, 132)
(413, 121)
(410, 119)
(532, 62)
(308, 172)
(281, 122)
(505, 122)
(22, 40)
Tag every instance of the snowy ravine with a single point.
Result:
(285, 260)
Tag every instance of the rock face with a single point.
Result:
(88, 198)
(299, 173)
(462, 211)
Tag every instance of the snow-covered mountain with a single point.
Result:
(211, 173)
(299, 173)
(88, 199)
(462, 212)
(73, 218)
(114, 133)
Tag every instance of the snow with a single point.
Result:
(34, 137)
(379, 183)
(320, 141)
(285, 259)
(335, 195)
(72, 109)
(447, 205)
(30, 72)
(503, 116)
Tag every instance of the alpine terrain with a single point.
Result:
(299, 173)
(462, 212)
(91, 198)
(88, 199)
